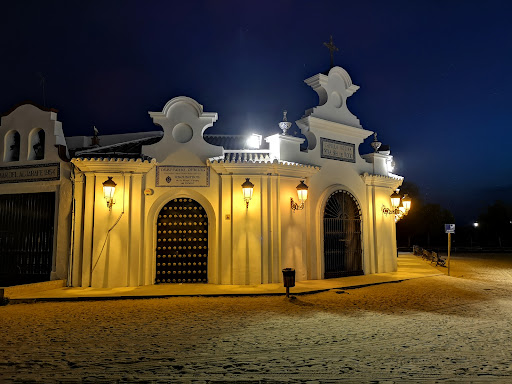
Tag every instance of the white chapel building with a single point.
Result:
(178, 205)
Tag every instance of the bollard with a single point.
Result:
(288, 279)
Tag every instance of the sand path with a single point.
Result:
(427, 330)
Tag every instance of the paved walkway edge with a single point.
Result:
(138, 297)
(409, 267)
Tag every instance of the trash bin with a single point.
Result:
(289, 277)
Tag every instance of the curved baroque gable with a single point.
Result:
(333, 91)
(183, 121)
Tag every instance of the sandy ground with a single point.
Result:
(436, 329)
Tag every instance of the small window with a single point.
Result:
(36, 145)
(12, 146)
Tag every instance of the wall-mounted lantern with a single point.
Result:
(395, 199)
(109, 187)
(400, 206)
(247, 188)
(406, 201)
(302, 194)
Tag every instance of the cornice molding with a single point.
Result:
(113, 165)
(275, 167)
(392, 182)
(314, 123)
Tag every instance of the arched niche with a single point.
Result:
(36, 141)
(12, 146)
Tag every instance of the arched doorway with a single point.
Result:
(182, 243)
(343, 254)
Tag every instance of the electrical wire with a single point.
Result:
(108, 232)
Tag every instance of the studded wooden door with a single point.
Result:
(342, 236)
(182, 243)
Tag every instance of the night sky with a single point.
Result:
(435, 76)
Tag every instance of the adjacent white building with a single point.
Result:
(178, 213)
(35, 196)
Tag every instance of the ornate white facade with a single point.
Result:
(147, 237)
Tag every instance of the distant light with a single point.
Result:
(254, 141)
(475, 224)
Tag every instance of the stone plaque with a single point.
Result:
(337, 150)
(29, 173)
(182, 176)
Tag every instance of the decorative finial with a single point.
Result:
(285, 124)
(375, 144)
(95, 139)
(331, 47)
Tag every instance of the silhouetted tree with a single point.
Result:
(424, 225)
(495, 225)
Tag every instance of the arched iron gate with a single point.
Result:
(26, 237)
(343, 254)
(182, 243)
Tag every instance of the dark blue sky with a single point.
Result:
(435, 76)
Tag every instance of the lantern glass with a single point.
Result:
(303, 195)
(247, 188)
(109, 188)
(248, 193)
(395, 199)
(406, 201)
(302, 192)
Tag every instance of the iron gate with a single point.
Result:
(26, 237)
(342, 236)
(182, 243)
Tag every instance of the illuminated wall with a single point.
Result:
(250, 245)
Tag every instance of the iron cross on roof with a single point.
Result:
(331, 47)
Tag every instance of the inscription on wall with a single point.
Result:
(29, 173)
(182, 176)
(337, 150)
